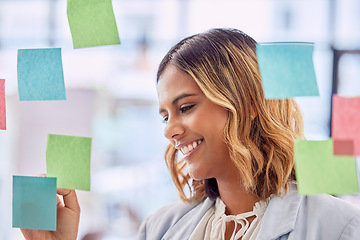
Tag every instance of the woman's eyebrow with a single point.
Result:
(181, 96)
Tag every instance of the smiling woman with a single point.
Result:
(238, 154)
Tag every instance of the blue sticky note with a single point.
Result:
(34, 203)
(40, 74)
(287, 69)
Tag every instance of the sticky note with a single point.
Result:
(345, 125)
(40, 74)
(68, 159)
(92, 23)
(343, 147)
(34, 203)
(319, 171)
(2, 105)
(287, 69)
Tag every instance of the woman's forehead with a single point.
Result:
(173, 78)
(174, 82)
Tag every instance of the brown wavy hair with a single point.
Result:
(224, 65)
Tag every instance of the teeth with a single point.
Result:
(190, 147)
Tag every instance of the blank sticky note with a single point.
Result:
(34, 203)
(92, 23)
(287, 69)
(2, 105)
(345, 125)
(40, 74)
(343, 147)
(319, 171)
(68, 159)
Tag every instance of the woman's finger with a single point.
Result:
(63, 191)
(70, 199)
(58, 201)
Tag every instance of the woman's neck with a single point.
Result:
(235, 197)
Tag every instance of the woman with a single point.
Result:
(237, 152)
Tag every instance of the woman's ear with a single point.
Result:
(253, 113)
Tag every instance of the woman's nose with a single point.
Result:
(174, 129)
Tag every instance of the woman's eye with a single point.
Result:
(165, 119)
(186, 108)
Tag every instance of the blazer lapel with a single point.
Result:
(280, 216)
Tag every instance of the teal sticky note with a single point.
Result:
(318, 170)
(287, 69)
(34, 203)
(68, 159)
(92, 23)
(40, 74)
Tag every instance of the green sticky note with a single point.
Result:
(287, 69)
(92, 23)
(68, 159)
(318, 170)
(34, 203)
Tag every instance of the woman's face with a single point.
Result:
(195, 125)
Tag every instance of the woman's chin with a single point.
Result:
(196, 175)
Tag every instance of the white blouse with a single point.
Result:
(212, 226)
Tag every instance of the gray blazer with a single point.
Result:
(293, 217)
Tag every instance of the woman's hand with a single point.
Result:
(67, 223)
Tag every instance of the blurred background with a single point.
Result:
(111, 93)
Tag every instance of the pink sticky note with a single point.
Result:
(345, 125)
(343, 147)
(2, 105)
